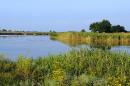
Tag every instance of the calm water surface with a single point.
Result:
(36, 46)
(30, 46)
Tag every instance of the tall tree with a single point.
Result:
(105, 26)
(94, 27)
(118, 28)
(83, 30)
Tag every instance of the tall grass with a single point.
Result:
(76, 68)
(75, 38)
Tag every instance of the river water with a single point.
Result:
(39, 46)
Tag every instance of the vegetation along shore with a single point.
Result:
(75, 38)
(102, 33)
(76, 68)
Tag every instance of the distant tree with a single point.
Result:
(50, 31)
(94, 27)
(9, 30)
(54, 31)
(105, 26)
(71, 31)
(4, 30)
(83, 30)
(118, 28)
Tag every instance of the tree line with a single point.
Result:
(106, 26)
(101, 26)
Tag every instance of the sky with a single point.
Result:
(62, 15)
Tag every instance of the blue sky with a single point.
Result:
(61, 15)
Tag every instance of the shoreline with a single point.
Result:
(24, 33)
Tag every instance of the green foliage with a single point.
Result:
(105, 26)
(83, 30)
(23, 67)
(118, 28)
(94, 27)
(95, 40)
(76, 68)
(53, 33)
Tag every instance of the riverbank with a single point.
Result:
(24, 33)
(75, 68)
(75, 38)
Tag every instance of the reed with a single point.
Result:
(75, 38)
(75, 68)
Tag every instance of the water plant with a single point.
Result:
(75, 68)
(109, 39)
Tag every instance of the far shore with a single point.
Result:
(24, 33)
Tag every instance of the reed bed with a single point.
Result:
(83, 67)
(75, 38)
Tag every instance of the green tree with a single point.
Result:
(83, 30)
(118, 28)
(4, 30)
(105, 26)
(94, 27)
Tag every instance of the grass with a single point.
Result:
(76, 38)
(76, 68)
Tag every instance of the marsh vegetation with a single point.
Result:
(80, 67)
(75, 38)
(75, 68)
(93, 66)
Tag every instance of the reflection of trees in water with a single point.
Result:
(70, 42)
(100, 46)
(9, 36)
(104, 43)
(93, 45)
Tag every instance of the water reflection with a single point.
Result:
(103, 47)
(104, 44)
(10, 36)
(36, 46)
